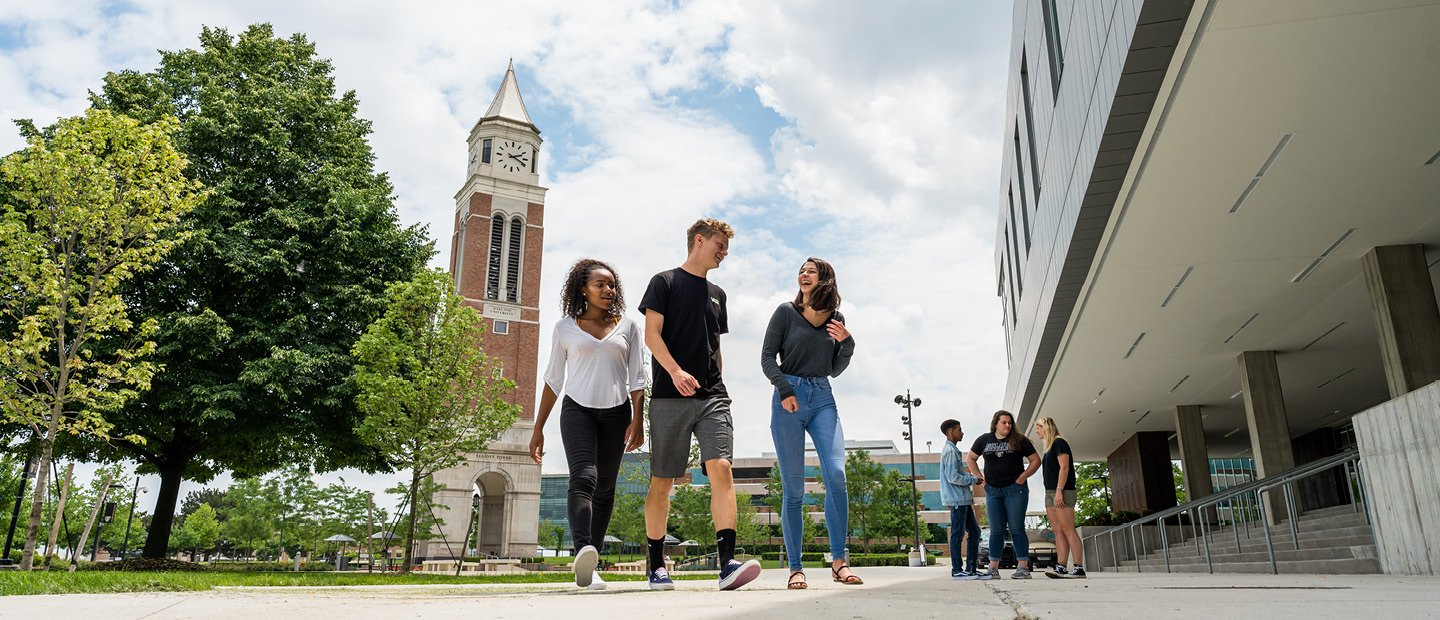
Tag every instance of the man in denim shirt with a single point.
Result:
(955, 482)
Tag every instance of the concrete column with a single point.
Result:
(1194, 459)
(1402, 300)
(1269, 426)
(508, 524)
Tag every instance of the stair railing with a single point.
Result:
(1243, 504)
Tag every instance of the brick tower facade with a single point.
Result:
(495, 260)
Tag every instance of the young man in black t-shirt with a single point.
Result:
(684, 318)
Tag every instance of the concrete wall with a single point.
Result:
(1400, 461)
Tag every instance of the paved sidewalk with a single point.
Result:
(889, 593)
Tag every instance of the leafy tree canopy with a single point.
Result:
(288, 262)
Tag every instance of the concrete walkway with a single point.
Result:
(889, 593)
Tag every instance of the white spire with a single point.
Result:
(508, 103)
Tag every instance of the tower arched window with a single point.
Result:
(507, 240)
(512, 263)
(497, 248)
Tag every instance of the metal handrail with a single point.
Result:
(1243, 493)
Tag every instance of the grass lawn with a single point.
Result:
(61, 582)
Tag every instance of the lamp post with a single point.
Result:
(134, 494)
(469, 528)
(1109, 503)
(15, 514)
(909, 420)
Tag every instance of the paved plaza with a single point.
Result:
(890, 593)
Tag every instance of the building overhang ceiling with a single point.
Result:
(1337, 106)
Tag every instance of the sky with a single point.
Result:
(866, 134)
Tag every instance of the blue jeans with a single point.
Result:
(818, 417)
(962, 524)
(1005, 506)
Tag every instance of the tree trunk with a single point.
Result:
(47, 449)
(410, 535)
(59, 515)
(94, 513)
(157, 540)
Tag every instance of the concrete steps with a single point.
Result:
(1333, 540)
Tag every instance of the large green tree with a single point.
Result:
(863, 480)
(627, 521)
(429, 393)
(289, 261)
(250, 519)
(86, 207)
(690, 514)
(201, 531)
(1092, 497)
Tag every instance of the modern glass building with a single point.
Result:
(1218, 231)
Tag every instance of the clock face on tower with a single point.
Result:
(513, 156)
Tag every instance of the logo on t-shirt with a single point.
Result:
(714, 301)
(997, 448)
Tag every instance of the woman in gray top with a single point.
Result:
(809, 337)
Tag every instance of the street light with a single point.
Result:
(134, 495)
(908, 420)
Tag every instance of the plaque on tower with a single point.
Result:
(501, 311)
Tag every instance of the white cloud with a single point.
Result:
(886, 165)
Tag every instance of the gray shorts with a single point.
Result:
(674, 420)
(1069, 497)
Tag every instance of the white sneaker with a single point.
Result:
(596, 584)
(585, 562)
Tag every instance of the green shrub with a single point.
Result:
(147, 564)
(268, 567)
(779, 556)
(886, 559)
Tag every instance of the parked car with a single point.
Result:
(1042, 544)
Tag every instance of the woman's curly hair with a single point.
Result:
(572, 297)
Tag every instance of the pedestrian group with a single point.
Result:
(597, 362)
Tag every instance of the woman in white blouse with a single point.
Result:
(602, 353)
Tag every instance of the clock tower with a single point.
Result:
(495, 260)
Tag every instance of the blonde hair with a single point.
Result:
(707, 227)
(1051, 431)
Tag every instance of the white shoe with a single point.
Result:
(596, 584)
(585, 562)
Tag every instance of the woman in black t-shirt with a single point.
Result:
(1059, 477)
(1006, 452)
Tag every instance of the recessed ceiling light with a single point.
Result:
(1236, 394)
(1227, 435)
(1242, 327)
(1327, 333)
(1177, 383)
(1176, 288)
(1332, 379)
(1264, 168)
(1133, 345)
(1315, 264)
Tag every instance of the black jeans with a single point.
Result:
(594, 444)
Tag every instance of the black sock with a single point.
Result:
(726, 541)
(657, 553)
